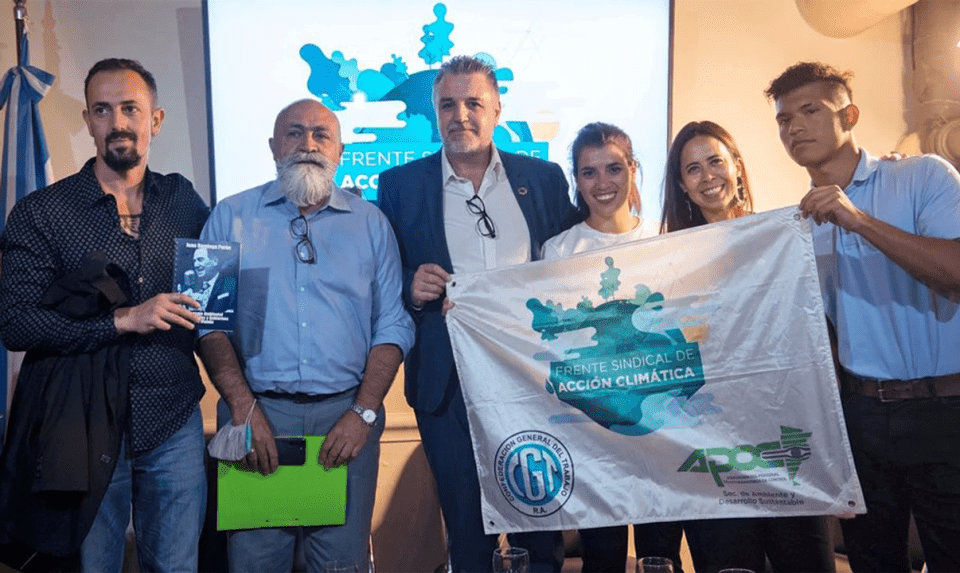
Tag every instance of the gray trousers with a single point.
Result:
(272, 549)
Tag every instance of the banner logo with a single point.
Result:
(635, 374)
(394, 108)
(534, 472)
(789, 453)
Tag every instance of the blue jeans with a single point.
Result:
(272, 549)
(167, 488)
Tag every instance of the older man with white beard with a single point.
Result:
(320, 332)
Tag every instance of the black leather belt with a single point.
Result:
(297, 397)
(898, 390)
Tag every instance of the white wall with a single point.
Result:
(68, 36)
(727, 52)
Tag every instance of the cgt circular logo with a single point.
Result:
(534, 472)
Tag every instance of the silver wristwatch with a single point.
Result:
(368, 416)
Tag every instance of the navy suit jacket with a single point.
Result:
(411, 196)
(223, 295)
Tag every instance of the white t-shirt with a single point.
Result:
(582, 238)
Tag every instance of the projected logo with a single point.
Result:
(633, 375)
(390, 109)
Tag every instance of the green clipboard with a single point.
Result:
(290, 496)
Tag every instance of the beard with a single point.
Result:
(462, 141)
(125, 158)
(306, 178)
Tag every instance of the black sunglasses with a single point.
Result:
(485, 224)
(300, 229)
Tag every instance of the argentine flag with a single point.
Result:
(26, 160)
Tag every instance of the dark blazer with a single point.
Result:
(223, 295)
(411, 196)
(67, 419)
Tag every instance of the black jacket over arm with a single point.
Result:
(67, 419)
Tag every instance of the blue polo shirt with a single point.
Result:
(310, 327)
(890, 325)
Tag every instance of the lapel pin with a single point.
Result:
(521, 191)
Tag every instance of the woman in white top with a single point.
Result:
(605, 174)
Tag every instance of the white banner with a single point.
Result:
(686, 376)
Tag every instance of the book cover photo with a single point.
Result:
(209, 272)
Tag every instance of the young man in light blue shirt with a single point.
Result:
(888, 253)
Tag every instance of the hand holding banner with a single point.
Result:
(688, 376)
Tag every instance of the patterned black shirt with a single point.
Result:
(47, 235)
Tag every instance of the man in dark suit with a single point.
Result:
(467, 208)
(216, 288)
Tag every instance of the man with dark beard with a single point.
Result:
(321, 330)
(117, 207)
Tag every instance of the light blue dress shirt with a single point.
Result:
(310, 327)
(891, 326)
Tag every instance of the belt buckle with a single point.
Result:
(881, 393)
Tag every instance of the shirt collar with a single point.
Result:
(93, 192)
(496, 165)
(273, 196)
(867, 165)
(865, 168)
(207, 284)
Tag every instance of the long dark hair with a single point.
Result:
(679, 212)
(598, 134)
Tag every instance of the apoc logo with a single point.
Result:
(789, 453)
(534, 472)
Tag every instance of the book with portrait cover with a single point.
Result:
(210, 273)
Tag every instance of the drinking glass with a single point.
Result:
(654, 565)
(511, 560)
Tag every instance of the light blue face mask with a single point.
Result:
(232, 443)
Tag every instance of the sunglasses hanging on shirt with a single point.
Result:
(300, 229)
(485, 224)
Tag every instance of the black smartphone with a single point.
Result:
(291, 451)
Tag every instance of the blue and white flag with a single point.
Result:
(26, 161)
(687, 376)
